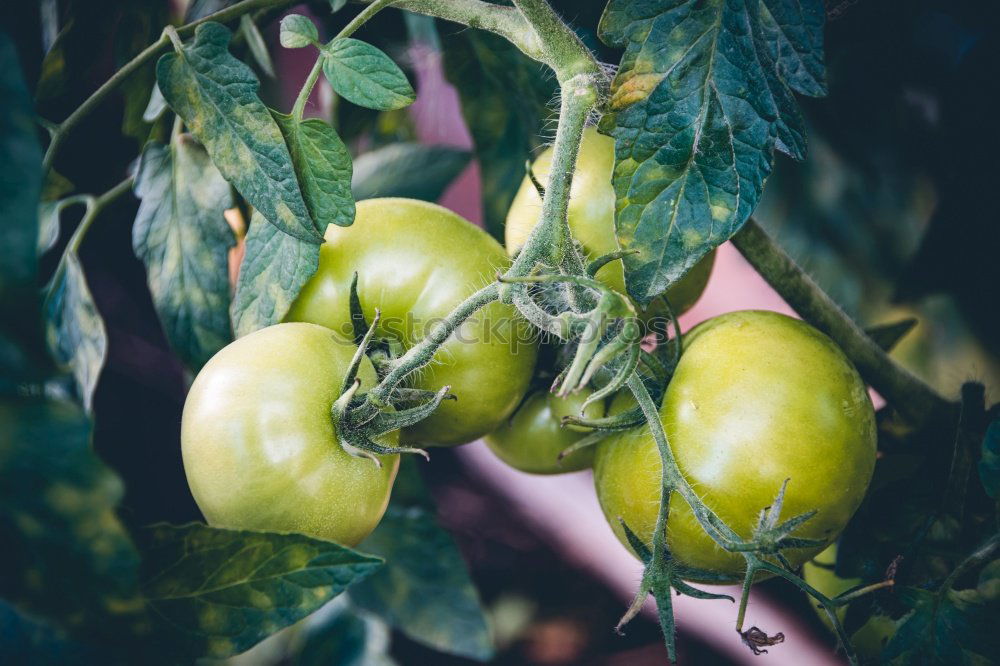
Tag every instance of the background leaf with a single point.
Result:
(343, 635)
(218, 592)
(411, 170)
(424, 589)
(697, 108)
(323, 166)
(216, 95)
(989, 465)
(258, 48)
(297, 31)
(489, 73)
(956, 627)
(20, 187)
(274, 268)
(66, 555)
(183, 239)
(74, 328)
(364, 75)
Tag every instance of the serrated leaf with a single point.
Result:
(887, 336)
(182, 238)
(411, 170)
(258, 47)
(364, 75)
(74, 329)
(275, 266)
(323, 165)
(216, 95)
(793, 32)
(956, 628)
(297, 31)
(424, 589)
(989, 464)
(489, 72)
(218, 592)
(66, 555)
(697, 109)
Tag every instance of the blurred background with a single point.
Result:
(893, 212)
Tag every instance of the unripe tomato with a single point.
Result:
(592, 218)
(416, 261)
(756, 398)
(533, 438)
(260, 449)
(875, 633)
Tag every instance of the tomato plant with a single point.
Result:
(757, 400)
(248, 469)
(591, 216)
(534, 436)
(395, 247)
(231, 313)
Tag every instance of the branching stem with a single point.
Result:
(914, 399)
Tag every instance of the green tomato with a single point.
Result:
(756, 398)
(260, 449)
(872, 636)
(592, 218)
(533, 438)
(417, 261)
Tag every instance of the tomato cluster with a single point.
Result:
(756, 401)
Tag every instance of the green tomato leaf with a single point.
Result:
(489, 73)
(323, 165)
(424, 589)
(183, 239)
(66, 555)
(20, 187)
(343, 635)
(216, 95)
(274, 268)
(216, 592)
(364, 75)
(74, 329)
(336, 5)
(958, 627)
(297, 31)
(410, 170)
(989, 464)
(793, 32)
(258, 48)
(156, 105)
(27, 640)
(697, 108)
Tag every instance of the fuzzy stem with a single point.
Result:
(421, 354)
(914, 399)
(565, 53)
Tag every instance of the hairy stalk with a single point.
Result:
(61, 130)
(504, 21)
(914, 399)
(421, 354)
(565, 53)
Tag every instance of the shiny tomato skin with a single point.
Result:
(417, 261)
(756, 398)
(260, 449)
(532, 439)
(592, 219)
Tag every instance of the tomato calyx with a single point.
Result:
(608, 330)
(359, 421)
